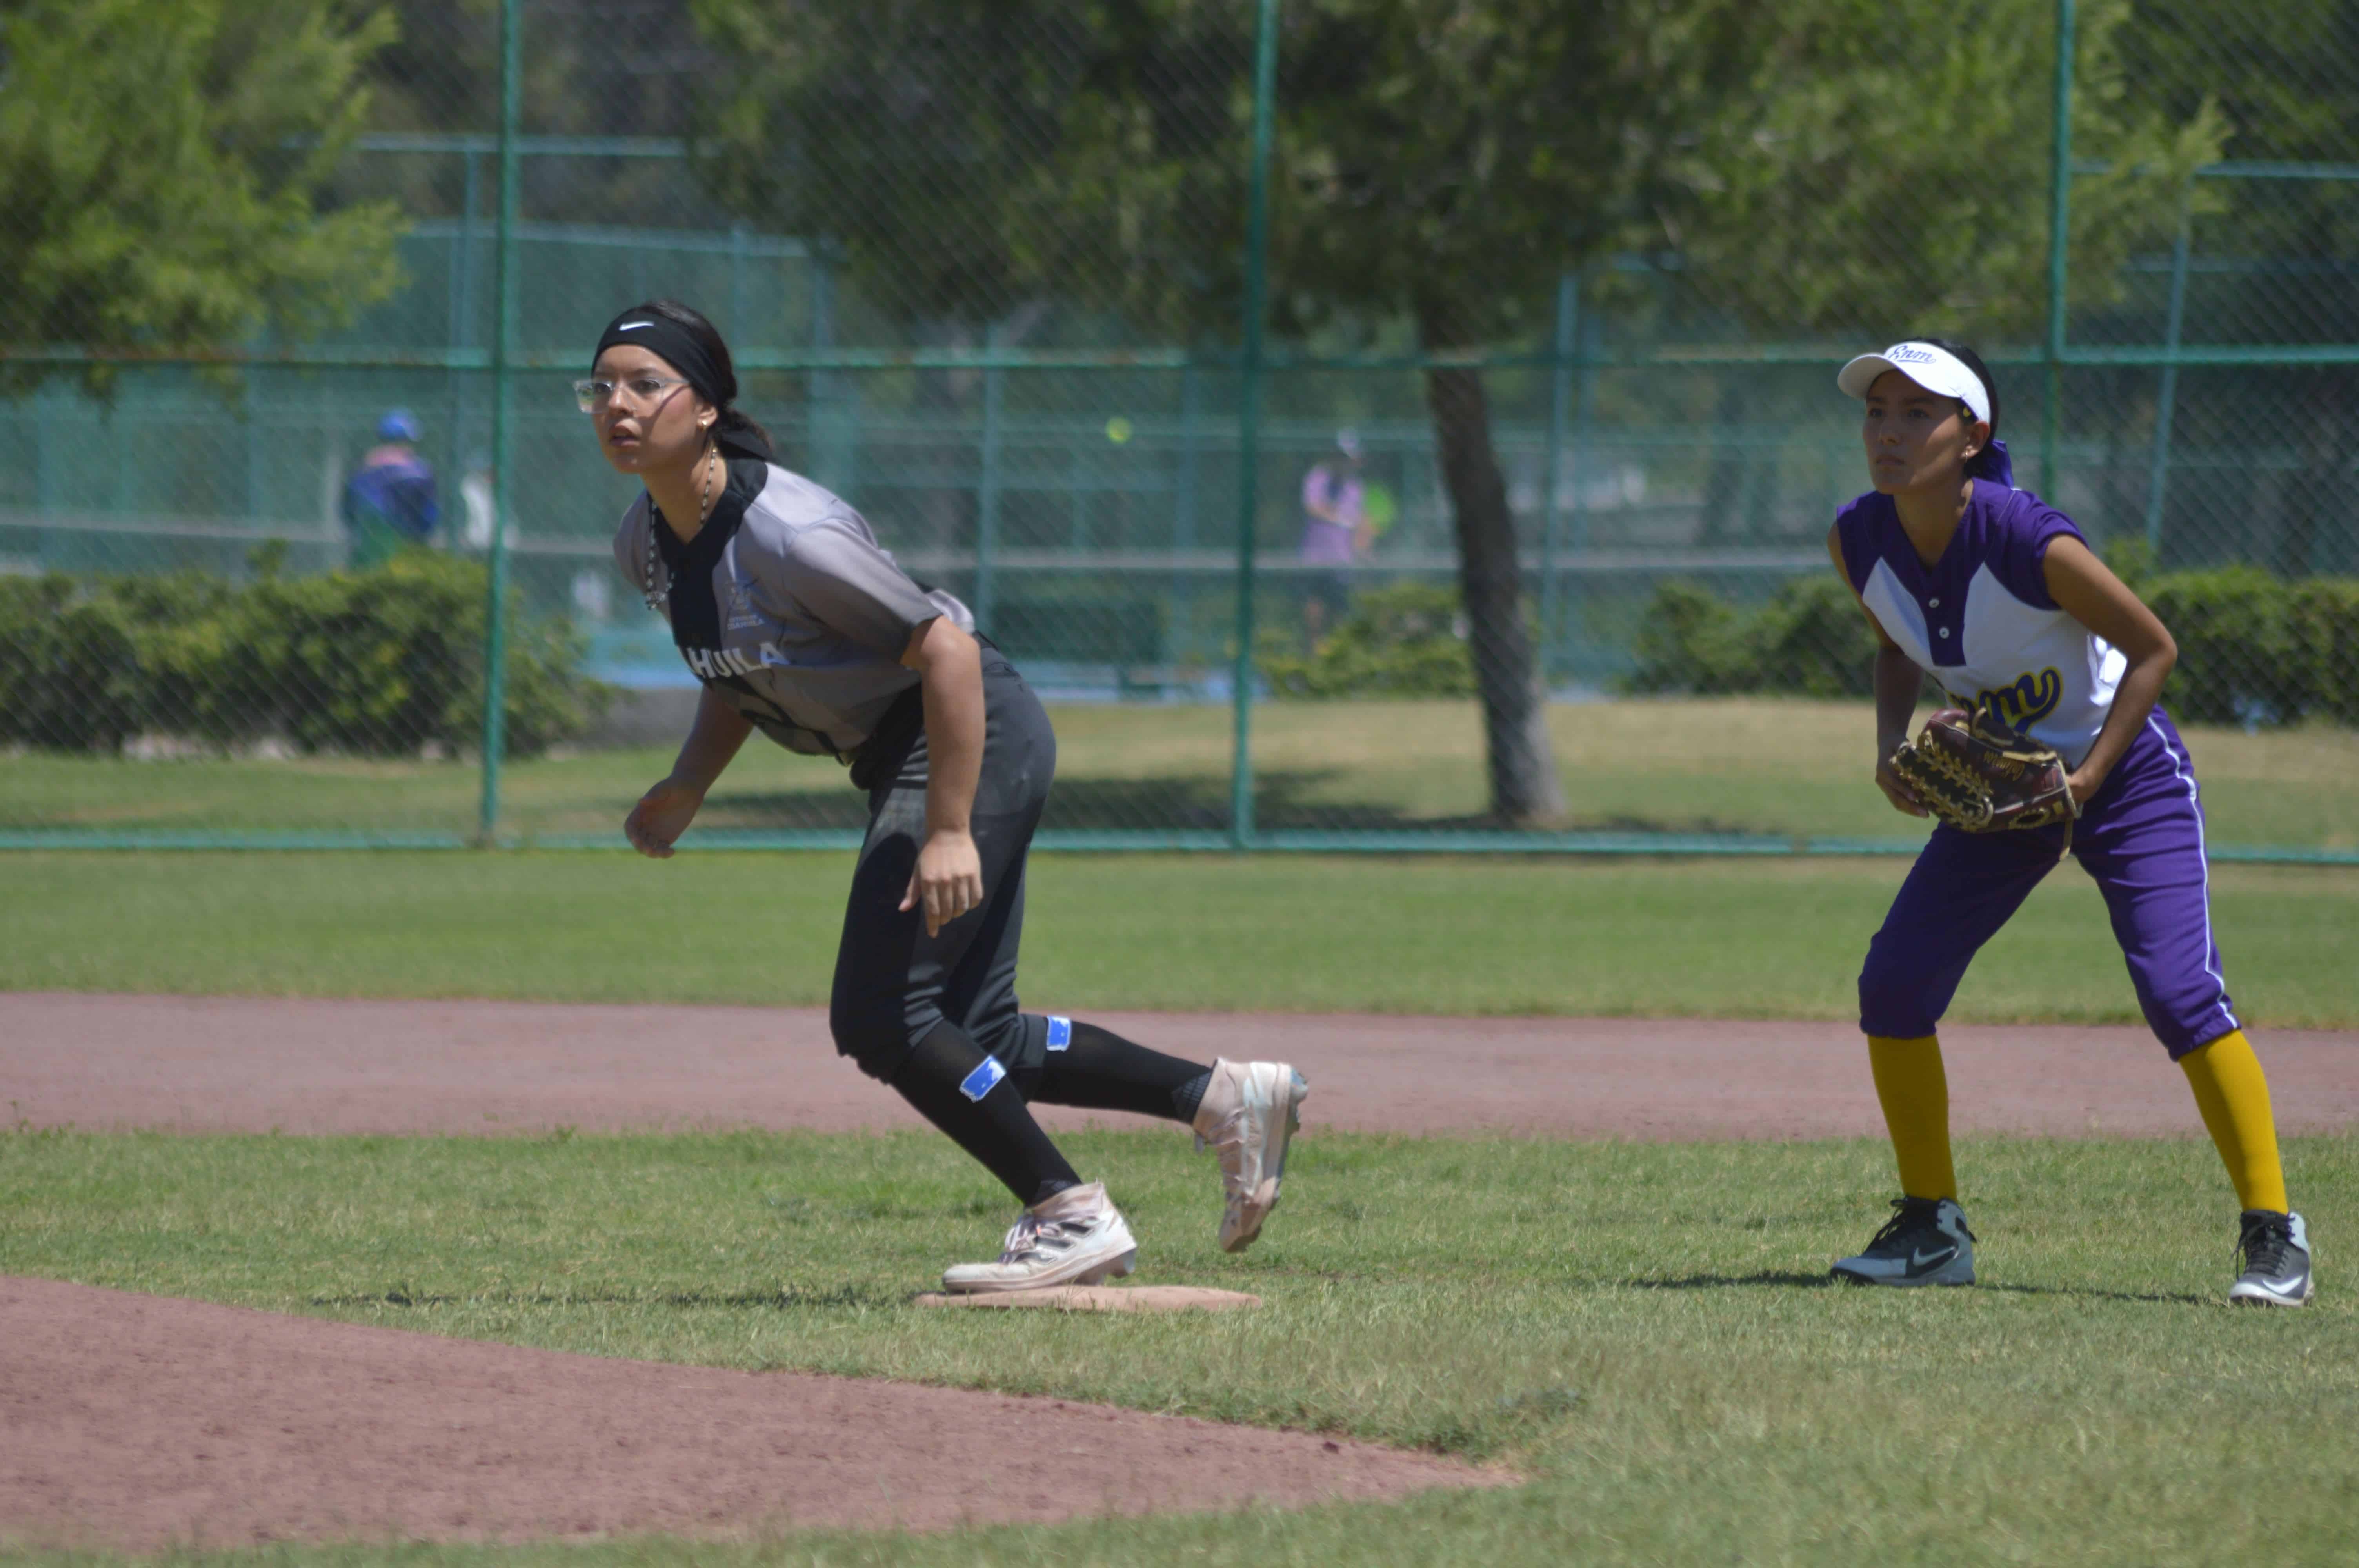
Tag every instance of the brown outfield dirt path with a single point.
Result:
(138, 1422)
(232, 1064)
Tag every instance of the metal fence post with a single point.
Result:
(738, 322)
(1568, 313)
(1584, 408)
(462, 315)
(986, 500)
(819, 383)
(2060, 215)
(2158, 479)
(1240, 803)
(1183, 540)
(504, 304)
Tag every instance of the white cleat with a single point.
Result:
(1249, 1111)
(1077, 1237)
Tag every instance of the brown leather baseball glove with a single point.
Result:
(1975, 773)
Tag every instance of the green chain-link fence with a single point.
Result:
(1508, 328)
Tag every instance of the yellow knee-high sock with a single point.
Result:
(2234, 1096)
(1915, 1094)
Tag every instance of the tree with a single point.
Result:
(159, 166)
(1892, 172)
(972, 155)
(2283, 75)
(1439, 164)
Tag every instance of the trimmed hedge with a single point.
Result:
(1809, 640)
(378, 661)
(2254, 649)
(1401, 641)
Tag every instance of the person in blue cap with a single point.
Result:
(390, 504)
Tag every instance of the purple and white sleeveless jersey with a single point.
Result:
(1980, 620)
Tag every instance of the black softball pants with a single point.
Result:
(937, 1016)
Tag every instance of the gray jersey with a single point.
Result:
(785, 606)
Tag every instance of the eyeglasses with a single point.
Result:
(593, 396)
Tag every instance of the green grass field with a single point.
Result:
(1697, 938)
(1791, 768)
(1645, 1331)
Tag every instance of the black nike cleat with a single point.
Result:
(2276, 1249)
(1926, 1242)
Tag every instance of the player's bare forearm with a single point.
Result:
(947, 881)
(950, 664)
(2086, 589)
(713, 741)
(2134, 699)
(1897, 682)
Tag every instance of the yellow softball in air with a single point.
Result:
(1118, 430)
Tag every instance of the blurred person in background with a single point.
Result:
(1336, 533)
(476, 495)
(390, 503)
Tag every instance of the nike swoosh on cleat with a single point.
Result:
(1931, 1259)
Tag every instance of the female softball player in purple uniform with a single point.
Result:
(1999, 597)
(798, 624)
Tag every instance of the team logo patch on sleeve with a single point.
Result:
(984, 1079)
(1061, 1033)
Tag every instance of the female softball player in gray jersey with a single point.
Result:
(798, 624)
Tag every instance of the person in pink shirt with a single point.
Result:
(1335, 534)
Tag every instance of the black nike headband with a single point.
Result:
(676, 345)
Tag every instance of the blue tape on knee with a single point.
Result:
(1061, 1033)
(984, 1079)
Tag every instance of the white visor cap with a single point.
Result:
(1935, 370)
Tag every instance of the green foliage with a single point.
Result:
(1945, 227)
(379, 662)
(2236, 657)
(2323, 616)
(2254, 649)
(1809, 640)
(975, 157)
(160, 165)
(1407, 640)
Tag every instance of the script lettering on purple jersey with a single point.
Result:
(1980, 620)
(2024, 701)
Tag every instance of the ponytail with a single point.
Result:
(1992, 462)
(737, 432)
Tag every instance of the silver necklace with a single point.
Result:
(657, 597)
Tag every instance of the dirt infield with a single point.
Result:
(139, 1422)
(143, 1423)
(204, 1064)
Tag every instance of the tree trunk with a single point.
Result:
(1524, 788)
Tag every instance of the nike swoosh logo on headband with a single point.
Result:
(633, 326)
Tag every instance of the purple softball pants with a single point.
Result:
(2141, 836)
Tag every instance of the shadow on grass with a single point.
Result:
(1283, 801)
(783, 1297)
(1791, 1281)
(2090, 1292)
(1735, 1282)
